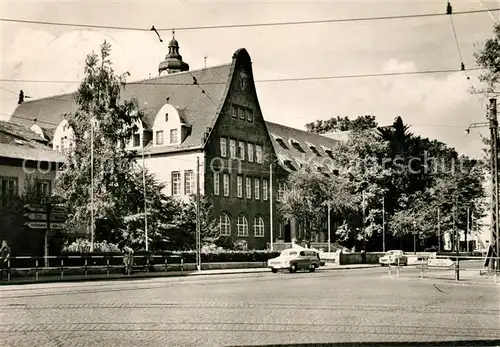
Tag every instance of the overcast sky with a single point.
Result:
(437, 106)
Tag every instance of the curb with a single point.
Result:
(150, 275)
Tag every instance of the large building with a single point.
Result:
(212, 117)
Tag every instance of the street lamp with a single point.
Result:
(92, 124)
(414, 238)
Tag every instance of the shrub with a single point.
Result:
(83, 246)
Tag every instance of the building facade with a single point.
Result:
(206, 126)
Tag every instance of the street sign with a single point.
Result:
(56, 200)
(36, 216)
(43, 225)
(58, 217)
(36, 208)
(59, 209)
(57, 226)
(440, 262)
(36, 225)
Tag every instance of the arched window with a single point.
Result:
(225, 224)
(242, 225)
(258, 227)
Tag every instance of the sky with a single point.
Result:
(438, 106)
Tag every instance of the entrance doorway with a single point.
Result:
(288, 232)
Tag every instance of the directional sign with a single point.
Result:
(57, 226)
(36, 216)
(58, 217)
(59, 209)
(43, 225)
(36, 225)
(36, 208)
(56, 200)
(440, 262)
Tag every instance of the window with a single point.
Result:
(241, 149)
(258, 154)
(8, 186)
(256, 189)
(249, 188)
(57, 148)
(42, 189)
(225, 182)
(223, 147)
(174, 135)
(234, 111)
(176, 183)
(250, 151)
(136, 140)
(281, 190)
(232, 149)
(265, 193)
(241, 112)
(216, 183)
(249, 115)
(258, 227)
(188, 182)
(166, 117)
(159, 137)
(225, 225)
(239, 186)
(242, 225)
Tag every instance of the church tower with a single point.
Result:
(173, 61)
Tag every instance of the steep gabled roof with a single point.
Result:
(11, 133)
(312, 149)
(200, 103)
(40, 154)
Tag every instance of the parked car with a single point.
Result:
(295, 259)
(391, 258)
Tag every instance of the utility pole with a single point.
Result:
(383, 224)
(329, 231)
(493, 122)
(467, 229)
(439, 230)
(91, 184)
(198, 231)
(145, 202)
(271, 205)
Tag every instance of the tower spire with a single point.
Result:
(173, 61)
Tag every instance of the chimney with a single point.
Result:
(21, 97)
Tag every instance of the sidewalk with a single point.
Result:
(141, 275)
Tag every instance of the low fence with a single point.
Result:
(109, 265)
(449, 268)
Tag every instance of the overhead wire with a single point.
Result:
(228, 26)
(273, 80)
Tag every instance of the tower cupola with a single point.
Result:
(173, 61)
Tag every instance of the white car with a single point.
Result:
(295, 259)
(392, 257)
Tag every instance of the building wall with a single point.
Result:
(164, 164)
(26, 173)
(253, 132)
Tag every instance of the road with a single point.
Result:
(362, 305)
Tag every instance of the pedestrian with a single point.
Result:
(128, 259)
(4, 258)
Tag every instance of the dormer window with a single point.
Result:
(279, 140)
(328, 151)
(174, 135)
(159, 137)
(286, 161)
(296, 145)
(313, 149)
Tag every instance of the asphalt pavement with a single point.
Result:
(352, 307)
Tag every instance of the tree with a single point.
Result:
(304, 200)
(342, 124)
(186, 224)
(117, 180)
(487, 58)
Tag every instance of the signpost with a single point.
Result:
(48, 217)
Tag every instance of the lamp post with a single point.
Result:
(92, 121)
(414, 238)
